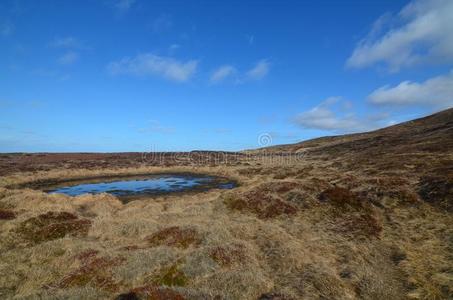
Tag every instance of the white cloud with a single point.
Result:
(436, 92)
(424, 35)
(150, 64)
(222, 73)
(259, 71)
(333, 115)
(68, 42)
(68, 58)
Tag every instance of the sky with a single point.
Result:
(139, 75)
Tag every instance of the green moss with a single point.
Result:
(171, 276)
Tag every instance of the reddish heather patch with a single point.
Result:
(262, 203)
(86, 255)
(52, 225)
(363, 225)
(54, 216)
(229, 255)
(175, 236)
(279, 187)
(95, 272)
(340, 197)
(7, 214)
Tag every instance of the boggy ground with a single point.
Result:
(321, 227)
(312, 233)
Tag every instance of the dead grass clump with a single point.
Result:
(279, 187)
(285, 173)
(170, 276)
(151, 292)
(87, 255)
(6, 214)
(361, 225)
(340, 197)
(261, 203)
(315, 282)
(51, 226)
(175, 236)
(405, 195)
(437, 191)
(228, 255)
(95, 271)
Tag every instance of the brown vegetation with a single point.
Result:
(95, 271)
(6, 214)
(52, 225)
(365, 216)
(175, 236)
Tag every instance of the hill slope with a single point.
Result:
(419, 145)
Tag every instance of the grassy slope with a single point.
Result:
(365, 216)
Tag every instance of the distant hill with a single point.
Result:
(431, 133)
(418, 145)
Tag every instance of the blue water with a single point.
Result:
(156, 184)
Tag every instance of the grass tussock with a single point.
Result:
(175, 236)
(438, 191)
(95, 272)
(265, 201)
(170, 276)
(311, 231)
(52, 225)
(229, 255)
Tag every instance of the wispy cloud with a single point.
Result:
(436, 92)
(250, 39)
(163, 23)
(156, 127)
(334, 115)
(68, 42)
(153, 65)
(174, 47)
(123, 6)
(6, 29)
(68, 58)
(222, 73)
(72, 46)
(423, 36)
(259, 71)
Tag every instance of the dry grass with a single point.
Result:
(309, 231)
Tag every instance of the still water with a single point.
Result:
(150, 185)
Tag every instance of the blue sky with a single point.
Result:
(125, 75)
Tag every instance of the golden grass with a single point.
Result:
(305, 232)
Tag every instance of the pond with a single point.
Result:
(127, 188)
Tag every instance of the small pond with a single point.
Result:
(137, 186)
